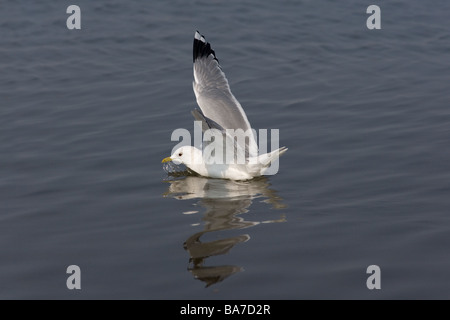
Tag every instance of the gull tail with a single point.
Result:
(267, 158)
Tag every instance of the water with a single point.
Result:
(86, 117)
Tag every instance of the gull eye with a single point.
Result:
(180, 154)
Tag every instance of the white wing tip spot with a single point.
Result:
(198, 36)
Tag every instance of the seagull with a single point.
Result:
(219, 113)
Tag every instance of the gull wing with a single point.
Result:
(213, 93)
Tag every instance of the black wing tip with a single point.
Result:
(202, 48)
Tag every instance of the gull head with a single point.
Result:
(186, 155)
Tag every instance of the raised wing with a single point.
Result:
(213, 92)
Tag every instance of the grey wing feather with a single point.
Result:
(207, 123)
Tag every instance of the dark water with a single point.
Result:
(86, 117)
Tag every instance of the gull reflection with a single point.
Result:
(223, 201)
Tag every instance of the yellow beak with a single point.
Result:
(166, 159)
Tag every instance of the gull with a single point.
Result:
(221, 113)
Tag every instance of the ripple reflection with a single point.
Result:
(224, 202)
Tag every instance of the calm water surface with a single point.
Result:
(86, 117)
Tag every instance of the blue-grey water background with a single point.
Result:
(86, 117)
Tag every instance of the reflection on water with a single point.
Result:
(224, 201)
